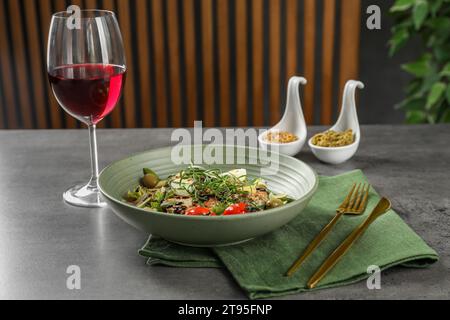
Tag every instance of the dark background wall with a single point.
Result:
(382, 75)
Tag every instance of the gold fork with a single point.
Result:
(383, 206)
(354, 204)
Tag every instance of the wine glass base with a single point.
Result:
(84, 196)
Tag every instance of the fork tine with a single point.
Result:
(355, 194)
(363, 204)
(347, 199)
(355, 207)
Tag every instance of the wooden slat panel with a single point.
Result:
(2, 106)
(327, 61)
(275, 46)
(54, 109)
(128, 94)
(208, 62)
(91, 4)
(174, 61)
(160, 61)
(309, 57)
(291, 38)
(108, 5)
(20, 59)
(70, 122)
(29, 30)
(350, 36)
(190, 53)
(144, 65)
(224, 61)
(62, 6)
(241, 63)
(116, 115)
(36, 61)
(6, 69)
(258, 62)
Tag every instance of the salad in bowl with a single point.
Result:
(206, 204)
(197, 191)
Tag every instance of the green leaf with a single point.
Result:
(440, 28)
(219, 208)
(427, 22)
(413, 87)
(435, 6)
(431, 118)
(403, 24)
(447, 94)
(414, 117)
(412, 103)
(437, 90)
(418, 68)
(402, 5)
(429, 80)
(445, 118)
(445, 70)
(420, 12)
(442, 53)
(398, 40)
(431, 41)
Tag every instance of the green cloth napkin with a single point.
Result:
(259, 265)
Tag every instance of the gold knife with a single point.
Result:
(382, 207)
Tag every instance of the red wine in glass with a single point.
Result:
(86, 66)
(88, 92)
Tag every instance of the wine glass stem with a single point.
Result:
(94, 158)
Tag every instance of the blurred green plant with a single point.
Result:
(428, 93)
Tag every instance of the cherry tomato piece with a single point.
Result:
(237, 208)
(197, 211)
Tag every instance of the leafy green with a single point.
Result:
(435, 94)
(446, 70)
(398, 40)
(418, 68)
(196, 186)
(447, 94)
(402, 5)
(219, 208)
(428, 93)
(420, 12)
(416, 116)
(412, 103)
(435, 6)
(446, 116)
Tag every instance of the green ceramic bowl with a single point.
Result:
(293, 178)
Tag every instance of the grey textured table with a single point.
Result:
(40, 236)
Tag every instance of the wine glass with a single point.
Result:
(86, 68)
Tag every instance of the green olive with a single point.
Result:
(274, 203)
(150, 180)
